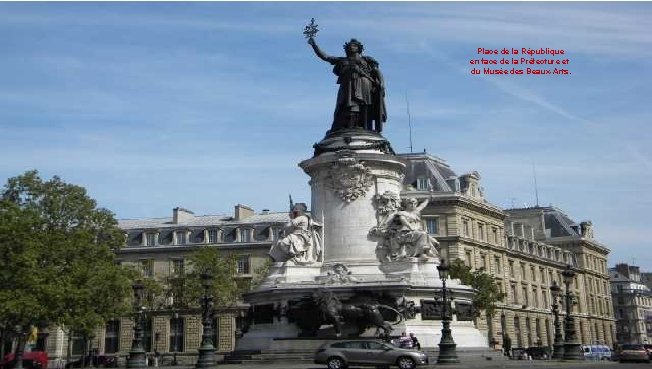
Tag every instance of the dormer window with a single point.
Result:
(274, 233)
(150, 238)
(422, 184)
(213, 235)
(180, 237)
(246, 234)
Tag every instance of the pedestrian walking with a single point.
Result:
(415, 341)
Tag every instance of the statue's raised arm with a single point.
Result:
(361, 96)
(322, 55)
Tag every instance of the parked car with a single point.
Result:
(519, 353)
(341, 354)
(597, 352)
(539, 352)
(648, 348)
(31, 360)
(632, 352)
(104, 361)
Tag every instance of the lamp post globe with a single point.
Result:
(137, 353)
(572, 347)
(447, 346)
(206, 358)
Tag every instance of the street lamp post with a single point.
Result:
(558, 346)
(137, 353)
(572, 348)
(206, 357)
(447, 351)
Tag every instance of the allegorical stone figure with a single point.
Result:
(300, 241)
(361, 96)
(403, 235)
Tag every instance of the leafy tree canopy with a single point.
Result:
(225, 288)
(488, 293)
(56, 256)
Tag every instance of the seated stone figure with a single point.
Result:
(300, 241)
(403, 235)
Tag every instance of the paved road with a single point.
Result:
(469, 364)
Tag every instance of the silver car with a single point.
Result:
(341, 354)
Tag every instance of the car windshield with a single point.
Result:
(632, 347)
(390, 345)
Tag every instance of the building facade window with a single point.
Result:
(523, 277)
(466, 228)
(481, 232)
(500, 289)
(497, 264)
(147, 267)
(517, 331)
(483, 262)
(468, 260)
(176, 334)
(494, 235)
(514, 295)
(112, 337)
(243, 264)
(147, 335)
(177, 267)
(216, 332)
(432, 226)
(511, 268)
(526, 299)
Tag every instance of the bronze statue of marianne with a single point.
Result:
(361, 96)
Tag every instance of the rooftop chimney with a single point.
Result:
(243, 212)
(181, 215)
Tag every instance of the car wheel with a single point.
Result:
(335, 363)
(405, 362)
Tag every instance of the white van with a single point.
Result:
(597, 352)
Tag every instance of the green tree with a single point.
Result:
(57, 263)
(226, 288)
(487, 291)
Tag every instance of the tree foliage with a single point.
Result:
(56, 257)
(226, 288)
(488, 293)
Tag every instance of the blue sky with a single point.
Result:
(204, 105)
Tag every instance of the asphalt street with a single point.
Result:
(471, 364)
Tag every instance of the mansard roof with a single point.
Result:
(554, 219)
(435, 169)
(203, 221)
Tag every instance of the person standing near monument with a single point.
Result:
(361, 96)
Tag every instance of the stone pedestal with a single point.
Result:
(351, 173)
(345, 178)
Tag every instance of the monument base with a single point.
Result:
(411, 282)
